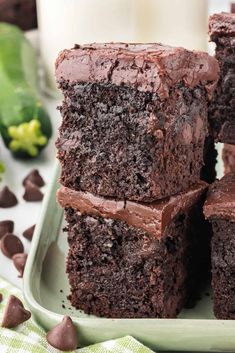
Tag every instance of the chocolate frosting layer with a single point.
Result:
(152, 218)
(220, 201)
(146, 67)
(222, 25)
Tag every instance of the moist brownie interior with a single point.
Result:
(135, 260)
(134, 119)
(220, 210)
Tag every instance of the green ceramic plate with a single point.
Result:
(46, 288)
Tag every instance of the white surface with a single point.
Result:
(25, 214)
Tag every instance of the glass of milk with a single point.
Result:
(62, 23)
(173, 22)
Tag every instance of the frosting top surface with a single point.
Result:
(220, 201)
(152, 217)
(146, 67)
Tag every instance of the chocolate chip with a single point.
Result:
(19, 261)
(11, 245)
(63, 336)
(1, 297)
(32, 192)
(6, 227)
(28, 233)
(7, 198)
(14, 313)
(35, 178)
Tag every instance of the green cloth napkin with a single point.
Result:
(30, 337)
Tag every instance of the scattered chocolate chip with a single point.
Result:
(6, 227)
(32, 192)
(19, 261)
(63, 336)
(1, 297)
(11, 245)
(63, 306)
(7, 198)
(35, 178)
(14, 313)
(28, 233)
(61, 291)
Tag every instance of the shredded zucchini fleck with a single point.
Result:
(2, 170)
(27, 137)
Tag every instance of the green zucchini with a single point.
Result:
(2, 170)
(25, 125)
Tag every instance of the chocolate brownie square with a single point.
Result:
(222, 107)
(220, 210)
(135, 260)
(134, 118)
(228, 155)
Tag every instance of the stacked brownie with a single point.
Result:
(222, 111)
(220, 210)
(132, 144)
(220, 204)
(222, 108)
